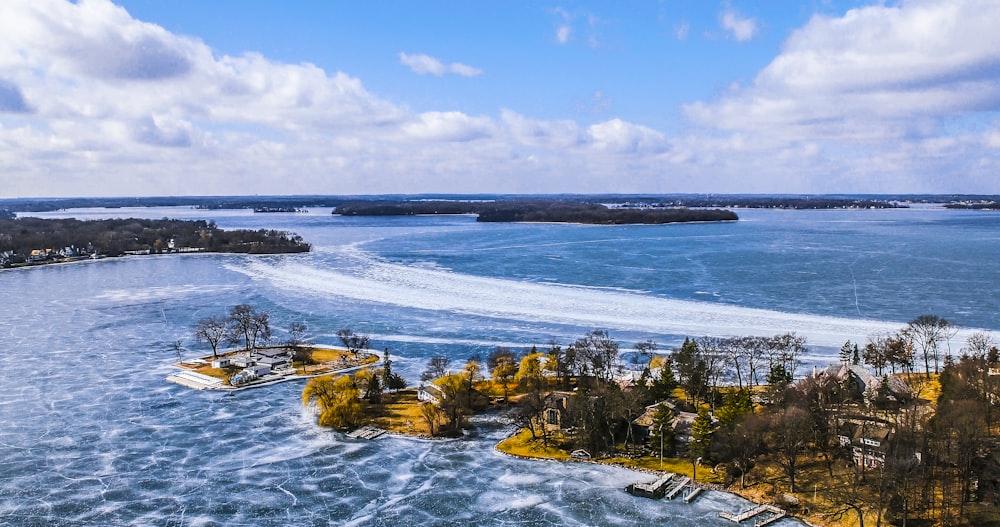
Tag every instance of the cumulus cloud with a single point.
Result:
(425, 64)
(623, 137)
(448, 126)
(868, 96)
(740, 27)
(873, 65)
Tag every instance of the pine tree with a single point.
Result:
(702, 430)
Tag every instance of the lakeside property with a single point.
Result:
(240, 369)
(870, 438)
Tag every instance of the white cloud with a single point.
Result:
(623, 137)
(563, 26)
(740, 27)
(562, 33)
(866, 101)
(425, 64)
(681, 30)
(448, 126)
(871, 67)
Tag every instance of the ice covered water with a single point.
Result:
(91, 434)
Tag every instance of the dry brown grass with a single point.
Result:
(400, 413)
(521, 444)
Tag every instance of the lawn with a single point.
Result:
(400, 413)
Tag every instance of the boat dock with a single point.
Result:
(673, 492)
(773, 514)
(692, 494)
(366, 432)
(653, 490)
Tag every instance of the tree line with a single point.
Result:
(535, 210)
(114, 237)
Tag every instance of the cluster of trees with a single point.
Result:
(593, 213)
(924, 335)
(345, 401)
(116, 236)
(935, 461)
(536, 210)
(243, 325)
(407, 208)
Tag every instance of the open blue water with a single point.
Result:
(91, 434)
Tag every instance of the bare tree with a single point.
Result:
(178, 346)
(978, 345)
(599, 353)
(788, 438)
(437, 367)
(928, 332)
(212, 330)
(296, 332)
(786, 350)
(849, 497)
(354, 342)
(248, 325)
(713, 355)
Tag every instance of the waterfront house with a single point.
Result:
(430, 393)
(853, 382)
(555, 408)
(275, 363)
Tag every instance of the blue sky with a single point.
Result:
(158, 97)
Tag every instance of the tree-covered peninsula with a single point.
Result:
(29, 241)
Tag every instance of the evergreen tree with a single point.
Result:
(735, 406)
(845, 352)
(662, 436)
(702, 430)
(663, 384)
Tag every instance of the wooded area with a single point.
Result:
(36, 240)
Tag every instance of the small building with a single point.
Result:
(274, 363)
(221, 362)
(555, 408)
(430, 393)
(243, 360)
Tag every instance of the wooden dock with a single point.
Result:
(695, 491)
(773, 514)
(366, 432)
(673, 492)
(654, 490)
